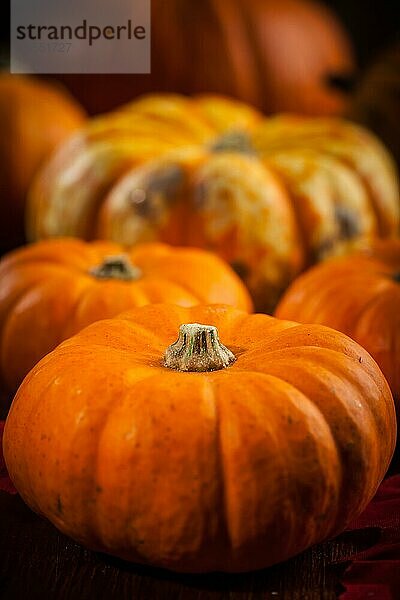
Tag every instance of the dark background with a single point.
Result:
(373, 25)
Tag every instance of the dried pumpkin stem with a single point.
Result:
(116, 267)
(233, 141)
(198, 349)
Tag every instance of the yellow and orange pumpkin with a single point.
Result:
(217, 452)
(52, 289)
(268, 195)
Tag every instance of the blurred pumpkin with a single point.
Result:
(35, 116)
(279, 55)
(268, 195)
(358, 295)
(376, 101)
(52, 289)
(202, 454)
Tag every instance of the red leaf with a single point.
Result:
(375, 573)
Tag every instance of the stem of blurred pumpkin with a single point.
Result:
(116, 267)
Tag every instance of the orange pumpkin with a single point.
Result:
(35, 117)
(238, 446)
(52, 289)
(358, 295)
(268, 195)
(280, 55)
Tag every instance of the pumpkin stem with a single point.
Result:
(198, 349)
(233, 141)
(116, 267)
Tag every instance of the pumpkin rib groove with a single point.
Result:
(18, 297)
(272, 432)
(318, 410)
(157, 382)
(376, 209)
(25, 425)
(345, 489)
(324, 297)
(317, 362)
(90, 504)
(225, 529)
(84, 316)
(383, 288)
(69, 327)
(12, 326)
(87, 350)
(314, 348)
(186, 289)
(377, 305)
(93, 518)
(263, 380)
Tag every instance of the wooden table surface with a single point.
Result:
(36, 561)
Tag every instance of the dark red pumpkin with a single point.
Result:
(279, 55)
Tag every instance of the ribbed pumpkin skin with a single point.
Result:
(358, 295)
(268, 195)
(49, 294)
(228, 470)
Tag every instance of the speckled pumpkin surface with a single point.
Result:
(52, 289)
(233, 447)
(268, 195)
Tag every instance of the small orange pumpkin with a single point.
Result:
(51, 290)
(358, 295)
(227, 451)
(35, 116)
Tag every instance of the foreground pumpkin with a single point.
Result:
(237, 446)
(35, 116)
(51, 290)
(358, 295)
(268, 195)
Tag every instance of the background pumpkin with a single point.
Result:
(268, 195)
(376, 100)
(52, 289)
(230, 469)
(279, 55)
(35, 116)
(358, 295)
